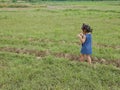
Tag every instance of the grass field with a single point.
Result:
(39, 47)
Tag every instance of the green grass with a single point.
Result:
(26, 72)
(54, 28)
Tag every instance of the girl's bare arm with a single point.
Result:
(82, 37)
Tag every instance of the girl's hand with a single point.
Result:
(82, 37)
(79, 35)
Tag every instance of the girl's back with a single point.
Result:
(87, 45)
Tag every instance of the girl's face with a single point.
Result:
(84, 31)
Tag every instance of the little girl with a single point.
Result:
(86, 40)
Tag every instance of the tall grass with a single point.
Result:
(26, 72)
(54, 28)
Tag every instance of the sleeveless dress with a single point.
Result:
(87, 45)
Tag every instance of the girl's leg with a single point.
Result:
(88, 58)
(82, 57)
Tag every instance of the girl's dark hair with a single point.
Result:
(86, 27)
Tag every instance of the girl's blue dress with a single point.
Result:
(87, 45)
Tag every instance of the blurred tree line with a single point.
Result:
(50, 0)
(66, 0)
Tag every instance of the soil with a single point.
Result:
(15, 9)
(40, 54)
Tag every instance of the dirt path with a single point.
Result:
(15, 9)
(41, 54)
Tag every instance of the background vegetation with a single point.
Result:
(49, 0)
(38, 39)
